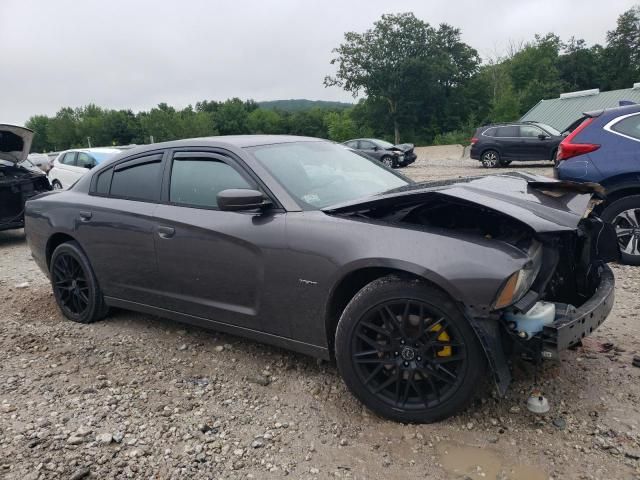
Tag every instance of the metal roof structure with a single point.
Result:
(563, 111)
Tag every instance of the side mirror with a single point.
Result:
(236, 199)
(542, 136)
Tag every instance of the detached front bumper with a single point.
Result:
(573, 324)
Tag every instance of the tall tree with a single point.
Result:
(377, 62)
(622, 53)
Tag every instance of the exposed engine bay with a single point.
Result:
(17, 185)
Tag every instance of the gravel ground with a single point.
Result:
(136, 396)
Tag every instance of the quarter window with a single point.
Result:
(103, 183)
(629, 126)
(196, 181)
(490, 132)
(138, 179)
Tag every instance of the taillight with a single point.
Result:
(568, 149)
(474, 140)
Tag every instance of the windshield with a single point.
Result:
(383, 144)
(549, 129)
(320, 174)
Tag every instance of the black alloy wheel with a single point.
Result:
(624, 215)
(410, 357)
(74, 284)
(70, 285)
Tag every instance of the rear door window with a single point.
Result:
(69, 158)
(138, 179)
(366, 145)
(489, 132)
(85, 160)
(509, 131)
(629, 126)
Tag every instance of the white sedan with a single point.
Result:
(70, 165)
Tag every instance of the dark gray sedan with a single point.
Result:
(390, 155)
(417, 290)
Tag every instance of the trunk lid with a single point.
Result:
(15, 143)
(542, 203)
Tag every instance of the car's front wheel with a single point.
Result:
(404, 350)
(624, 215)
(387, 162)
(74, 284)
(490, 159)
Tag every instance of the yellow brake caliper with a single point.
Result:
(443, 337)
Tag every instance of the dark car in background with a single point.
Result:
(604, 148)
(20, 180)
(417, 290)
(497, 145)
(393, 156)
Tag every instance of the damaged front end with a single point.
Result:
(563, 289)
(17, 183)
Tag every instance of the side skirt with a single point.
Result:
(275, 340)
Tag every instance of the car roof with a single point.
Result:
(238, 141)
(94, 150)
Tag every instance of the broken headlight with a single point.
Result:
(520, 282)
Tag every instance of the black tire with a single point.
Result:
(624, 214)
(388, 162)
(418, 340)
(490, 159)
(554, 154)
(74, 284)
(56, 185)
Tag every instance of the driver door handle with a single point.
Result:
(166, 232)
(85, 216)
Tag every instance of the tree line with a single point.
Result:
(420, 84)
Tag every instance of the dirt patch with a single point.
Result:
(136, 396)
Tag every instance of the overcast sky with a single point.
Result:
(136, 54)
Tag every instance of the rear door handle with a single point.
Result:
(166, 232)
(85, 216)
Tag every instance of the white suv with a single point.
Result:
(70, 165)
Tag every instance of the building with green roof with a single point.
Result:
(563, 111)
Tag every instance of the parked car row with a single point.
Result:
(263, 229)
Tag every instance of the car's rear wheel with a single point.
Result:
(74, 284)
(490, 159)
(624, 215)
(387, 161)
(406, 351)
(56, 185)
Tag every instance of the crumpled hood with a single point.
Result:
(545, 204)
(15, 143)
(404, 147)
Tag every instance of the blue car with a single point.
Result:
(604, 148)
